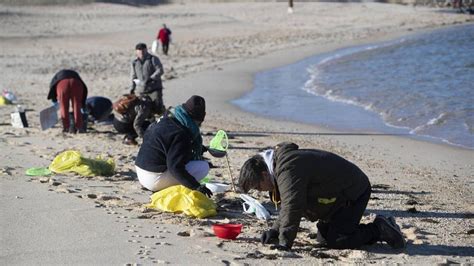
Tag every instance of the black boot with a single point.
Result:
(390, 232)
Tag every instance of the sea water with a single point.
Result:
(420, 85)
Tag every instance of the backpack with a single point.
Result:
(125, 102)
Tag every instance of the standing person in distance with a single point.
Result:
(164, 35)
(146, 75)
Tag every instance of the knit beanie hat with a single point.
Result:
(195, 107)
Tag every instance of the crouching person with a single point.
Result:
(320, 186)
(132, 116)
(171, 153)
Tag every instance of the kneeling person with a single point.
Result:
(171, 153)
(133, 118)
(320, 186)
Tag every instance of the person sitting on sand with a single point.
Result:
(320, 186)
(146, 78)
(171, 153)
(134, 120)
(67, 86)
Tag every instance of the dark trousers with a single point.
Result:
(125, 128)
(128, 129)
(344, 230)
(165, 46)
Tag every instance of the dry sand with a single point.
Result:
(216, 50)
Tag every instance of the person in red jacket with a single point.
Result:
(164, 37)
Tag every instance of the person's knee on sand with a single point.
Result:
(333, 190)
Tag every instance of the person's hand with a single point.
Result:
(267, 236)
(279, 247)
(56, 105)
(204, 190)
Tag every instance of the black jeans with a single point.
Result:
(165, 46)
(344, 230)
(125, 128)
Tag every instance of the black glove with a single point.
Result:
(267, 236)
(204, 190)
(280, 247)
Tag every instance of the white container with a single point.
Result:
(217, 187)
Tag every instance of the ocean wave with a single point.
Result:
(440, 119)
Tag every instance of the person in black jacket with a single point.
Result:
(320, 186)
(171, 153)
(67, 86)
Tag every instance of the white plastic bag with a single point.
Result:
(252, 205)
(154, 46)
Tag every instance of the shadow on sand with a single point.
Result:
(423, 214)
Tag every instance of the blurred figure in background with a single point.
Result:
(165, 38)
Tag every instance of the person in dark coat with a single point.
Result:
(98, 108)
(320, 186)
(171, 153)
(135, 120)
(67, 86)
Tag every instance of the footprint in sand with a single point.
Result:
(416, 235)
(162, 244)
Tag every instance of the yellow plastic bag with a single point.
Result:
(72, 161)
(182, 199)
(4, 101)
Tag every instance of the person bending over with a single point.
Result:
(67, 86)
(320, 186)
(171, 153)
(134, 119)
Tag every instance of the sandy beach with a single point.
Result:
(215, 52)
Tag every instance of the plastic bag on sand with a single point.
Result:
(4, 101)
(72, 161)
(182, 199)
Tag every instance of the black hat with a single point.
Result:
(140, 46)
(195, 107)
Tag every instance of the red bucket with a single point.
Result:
(227, 231)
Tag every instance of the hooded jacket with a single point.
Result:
(65, 74)
(312, 184)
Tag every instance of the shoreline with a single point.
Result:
(373, 121)
(285, 57)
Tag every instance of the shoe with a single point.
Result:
(128, 141)
(390, 232)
